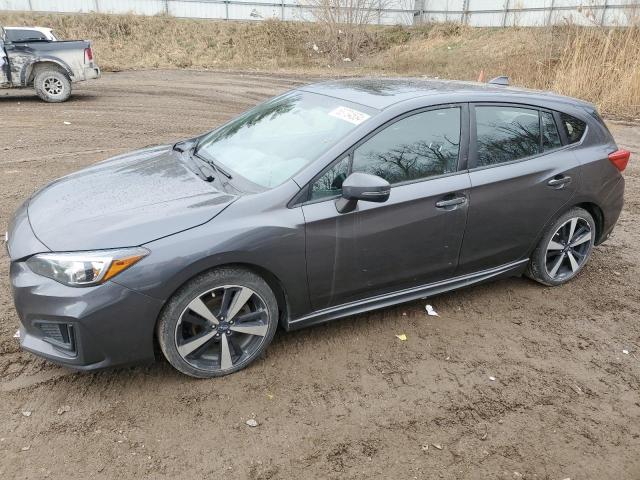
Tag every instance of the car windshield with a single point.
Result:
(273, 141)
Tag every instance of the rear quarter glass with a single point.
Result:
(574, 127)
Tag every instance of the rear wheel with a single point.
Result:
(564, 248)
(52, 86)
(218, 323)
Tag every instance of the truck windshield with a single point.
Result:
(273, 141)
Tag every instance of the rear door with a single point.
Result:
(414, 237)
(521, 176)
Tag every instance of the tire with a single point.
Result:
(52, 85)
(218, 323)
(562, 252)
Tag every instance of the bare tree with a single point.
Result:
(346, 21)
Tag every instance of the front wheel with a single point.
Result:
(52, 86)
(564, 248)
(218, 323)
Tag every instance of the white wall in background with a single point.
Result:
(481, 13)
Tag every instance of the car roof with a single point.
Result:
(381, 93)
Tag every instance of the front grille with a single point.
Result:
(60, 335)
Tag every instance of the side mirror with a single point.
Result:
(362, 186)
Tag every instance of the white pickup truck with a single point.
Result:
(48, 65)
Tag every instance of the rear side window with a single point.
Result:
(505, 134)
(573, 127)
(21, 35)
(550, 136)
(420, 146)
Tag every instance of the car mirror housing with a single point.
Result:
(362, 186)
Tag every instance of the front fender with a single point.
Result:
(257, 231)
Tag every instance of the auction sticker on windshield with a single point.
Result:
(349, 115)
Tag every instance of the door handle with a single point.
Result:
(451, 202)
(559, 181)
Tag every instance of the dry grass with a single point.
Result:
(604, 66)
(601, 65)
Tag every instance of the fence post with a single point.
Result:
(506, 12)
(465, 12)
(226, 9)
(30, 6)
(166, 7)
(282, 10)
(604, 12)
(550, 13)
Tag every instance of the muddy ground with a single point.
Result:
(343, 400)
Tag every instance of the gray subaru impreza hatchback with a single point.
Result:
(326, 201)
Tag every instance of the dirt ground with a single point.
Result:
(343, 400)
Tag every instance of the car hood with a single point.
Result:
(126, 201)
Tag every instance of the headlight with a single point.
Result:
(84, 269)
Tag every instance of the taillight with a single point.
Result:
(620, 158)
(88, 54)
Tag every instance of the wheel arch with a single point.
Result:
(598, 216)
(33, 68)
(272, 280)
(594, 210)
(274, 283)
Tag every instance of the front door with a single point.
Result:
(413, 238)
(521, 176)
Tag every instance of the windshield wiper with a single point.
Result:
(206, 175)
(215, 166)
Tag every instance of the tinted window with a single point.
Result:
(330, 183)
(419, 146)
(575, 128)
(506, 134)
(550, 136)
(24, 35)
(273, 141)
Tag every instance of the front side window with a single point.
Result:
(573, 127)
(420, 146)
(272, 142)
(505, 134)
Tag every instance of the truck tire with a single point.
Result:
(52, 86)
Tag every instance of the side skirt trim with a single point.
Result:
(407, 295)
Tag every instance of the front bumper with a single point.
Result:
(107, 325)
